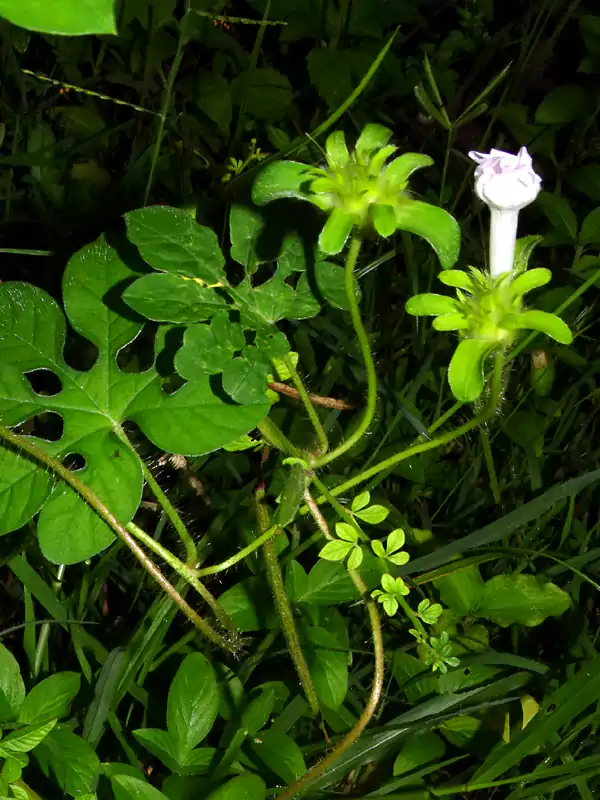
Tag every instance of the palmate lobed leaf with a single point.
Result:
(92, 404)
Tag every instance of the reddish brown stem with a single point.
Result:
(316, 399)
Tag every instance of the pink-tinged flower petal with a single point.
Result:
(504, 180)
(506, 183)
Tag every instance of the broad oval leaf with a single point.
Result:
(429, 304)
(192, 704)
(126, 787)
(12, 688)
(418, 750)
(283, 179)
(244, 787)
(280, 753)
(71, 759)
(171, 241)
(559, 213)
(330, 282)
(465, 375)
(590, 228)
(172, 298)
(522, 599)
(50, 698)
(161, 744)
(328, 663)
(564, 104)
(433, 224)
(25, 739)
(62, 17)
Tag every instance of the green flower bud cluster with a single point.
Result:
(487, 313)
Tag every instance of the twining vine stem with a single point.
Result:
(27, 446)
(164, 502)
(365, 349)
(310, 409)
(184, 571)
(282, 604)
(354, 733)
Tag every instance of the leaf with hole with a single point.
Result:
(92, 404)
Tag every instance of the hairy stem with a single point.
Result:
(352, 736)
(365, 349)
(284, 610)
(184, 571)
(241, 555)
(164, 502)
(277, 438)
(491, 468)
(310, 409)
(39, 455)
(432, 444)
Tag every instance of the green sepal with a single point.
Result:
(542, 321)
(379, 159)
(337, 151)
(384, 220)
(451, 322)
(458, 279)
(431, 305)
(433, 224)
(336, 231)
(529, 280)
(372, 138)
(465, 375)
(398, 172)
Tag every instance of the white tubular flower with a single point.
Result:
(506, 183)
